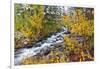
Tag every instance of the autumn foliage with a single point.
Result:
(34, 22)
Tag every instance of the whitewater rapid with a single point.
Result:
(54, 40)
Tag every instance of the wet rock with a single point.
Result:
(38, 44)
(68, 32)
(61, 49)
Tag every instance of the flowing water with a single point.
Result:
(40, 47)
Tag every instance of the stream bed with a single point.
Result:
(40, 47)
